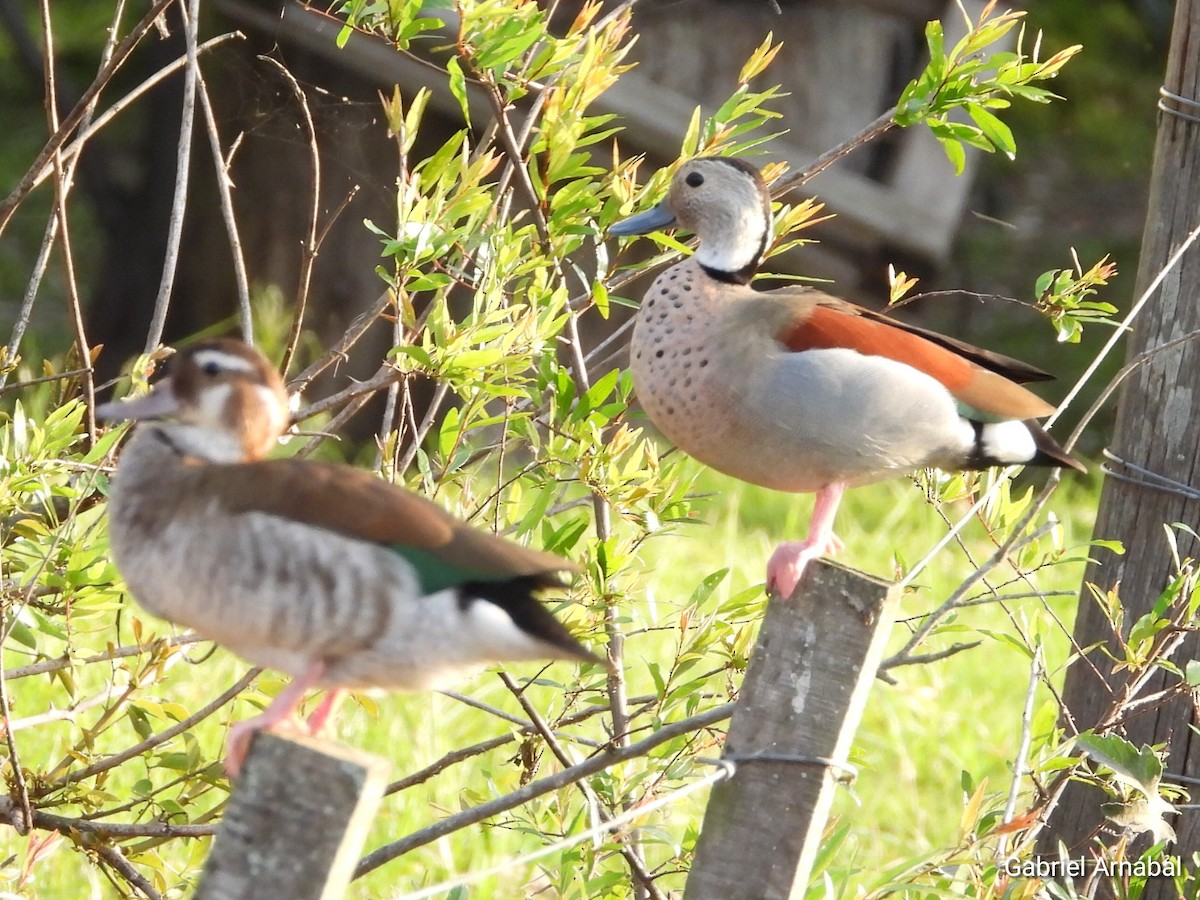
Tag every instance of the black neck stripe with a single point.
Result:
(162, 436)
(741, 276)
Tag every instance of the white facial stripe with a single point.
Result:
(211, 404)
(227, 362)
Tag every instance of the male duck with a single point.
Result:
(796, 390)
(321, 571)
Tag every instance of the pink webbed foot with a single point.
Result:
(787, 563)
(281, 710)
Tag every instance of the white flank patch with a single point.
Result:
(496, 636)
(270, 402)
(1009, 442)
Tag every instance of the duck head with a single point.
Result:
(221, 401)
(725, 203)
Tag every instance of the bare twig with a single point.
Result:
(545, 785)
(29, 382)
(464, 753)
(224, 194)
(154, 740)
(62, 187)
(1015, 541)
(66, 662)
(876, 129)
(115, 858)
(309, 254)
(66, 824)
(67, 714)
(629, 849)
(530, 725)
(1021, 761)
(36, 172)
(341, 348)
(182, 172)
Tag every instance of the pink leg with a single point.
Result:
(328, 706)
(789, 559)
(280, 710)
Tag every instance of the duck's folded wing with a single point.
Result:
(810, 320)
(357, 504)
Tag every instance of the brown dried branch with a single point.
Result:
(309, 253)
(67, 127)
(183, 156)
(533, 789)
(66, 662)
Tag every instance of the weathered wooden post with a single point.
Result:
(296, 822)
(799, 706)
(1158, 430)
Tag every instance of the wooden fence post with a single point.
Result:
(1157, 430)
(800, 703)
(295, 823)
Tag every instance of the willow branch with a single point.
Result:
(534, 789)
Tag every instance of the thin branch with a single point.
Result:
(309, 254)
(66, 824)
(1021, 762)
(183, 157)
(347, 412)
(530, 725)
(116, 859)
(883, 124)
(154, 740)
(225, 196)
(21, 385)
(464, 753)
(37, 171)
(1015, 541)
(1121, 330)
(340, 350)
(385, 375)
(533, 789)
(67, 714)
(908, 659)
(24, 314)
(629, 847)
(66, 662)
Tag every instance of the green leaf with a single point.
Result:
(994, 130)
(458, 87)
(1141, 769)
(1191, 673)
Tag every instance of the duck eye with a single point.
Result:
(694, 179)
(211, 368)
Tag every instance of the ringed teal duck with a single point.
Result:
(797, 390)
(321, 571)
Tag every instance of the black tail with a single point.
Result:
(1047, 451)
(516, 596)
(1050, 452)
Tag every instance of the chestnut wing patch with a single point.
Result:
(826, 327)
